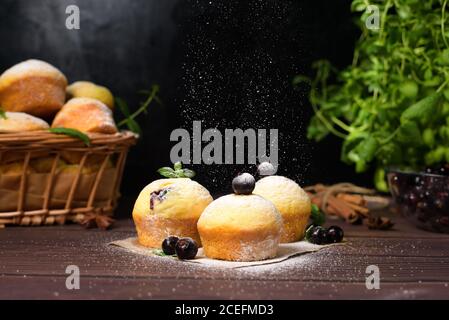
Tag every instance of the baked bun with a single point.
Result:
(240, 228)
(45, 164)
(89, 89)
(34, 87)
(14, 169)
(292, 202)
(169, 207)
(86, 115)
(20, 122)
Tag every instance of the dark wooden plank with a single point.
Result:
(330, 264)
(413, 263)
(47, 287)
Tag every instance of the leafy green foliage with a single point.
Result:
(176, 172)
(2, 113)
(72, 133)
(160, 253)
(391, 105)
(129, 118)
(308, 232)
(318, 217)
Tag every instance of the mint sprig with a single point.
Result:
(72, 133)
(176, 172)
(308, 233)
(129, 120)
(3, 114)
(160, 253)
(318, 217)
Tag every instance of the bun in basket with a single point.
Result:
(34, 87)
(20, 122)
(86, 115)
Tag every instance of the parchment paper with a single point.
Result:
(285, 251)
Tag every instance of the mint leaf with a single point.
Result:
(72, 133)
(160, 253)
(133, 126)
(309, 232)
(409, 134)
(3, 114)
(177, 165)
(188, 173)
(318, 217)
(176, 172)
(167, 172)
(123, 106)
(421, 110)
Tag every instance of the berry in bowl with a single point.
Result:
(423, 197)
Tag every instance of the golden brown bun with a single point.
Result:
(174, 212)
(292, 202)
(240, 228)
(34, 87)
(89, 89)
(45, 164)
(75, 157)
(20, 122)
(15, 168)
(85, 115)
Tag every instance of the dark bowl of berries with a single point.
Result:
(422, 197)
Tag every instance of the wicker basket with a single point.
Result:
(47, 178)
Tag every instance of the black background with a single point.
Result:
(227, 63)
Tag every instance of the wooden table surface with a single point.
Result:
(413, 264)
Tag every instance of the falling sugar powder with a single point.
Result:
(240, 59)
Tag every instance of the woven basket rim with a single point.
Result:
(43, 137)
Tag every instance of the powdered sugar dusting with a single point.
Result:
(31, 68)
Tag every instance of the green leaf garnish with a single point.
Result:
(177, 165)
(123, 106)
(160, 253)
(129, 120)
(188, 173)
(3, 114)
(318, 217)
(167, 172)
(176, 172)
(309, 232)
(72, 133)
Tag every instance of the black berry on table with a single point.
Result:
(186, 248)
(168, 245)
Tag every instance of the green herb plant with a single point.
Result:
(391, 105)
(176, 172)
(129, 117)
(72, 133)
(3, 114)
(161, 253)
(317, 216)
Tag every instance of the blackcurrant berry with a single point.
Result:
(318, 235)
(334, 234)
(243, 184)
(186, 248)
(168, 245)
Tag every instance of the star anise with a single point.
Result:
(95, 220)
(379, 223)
